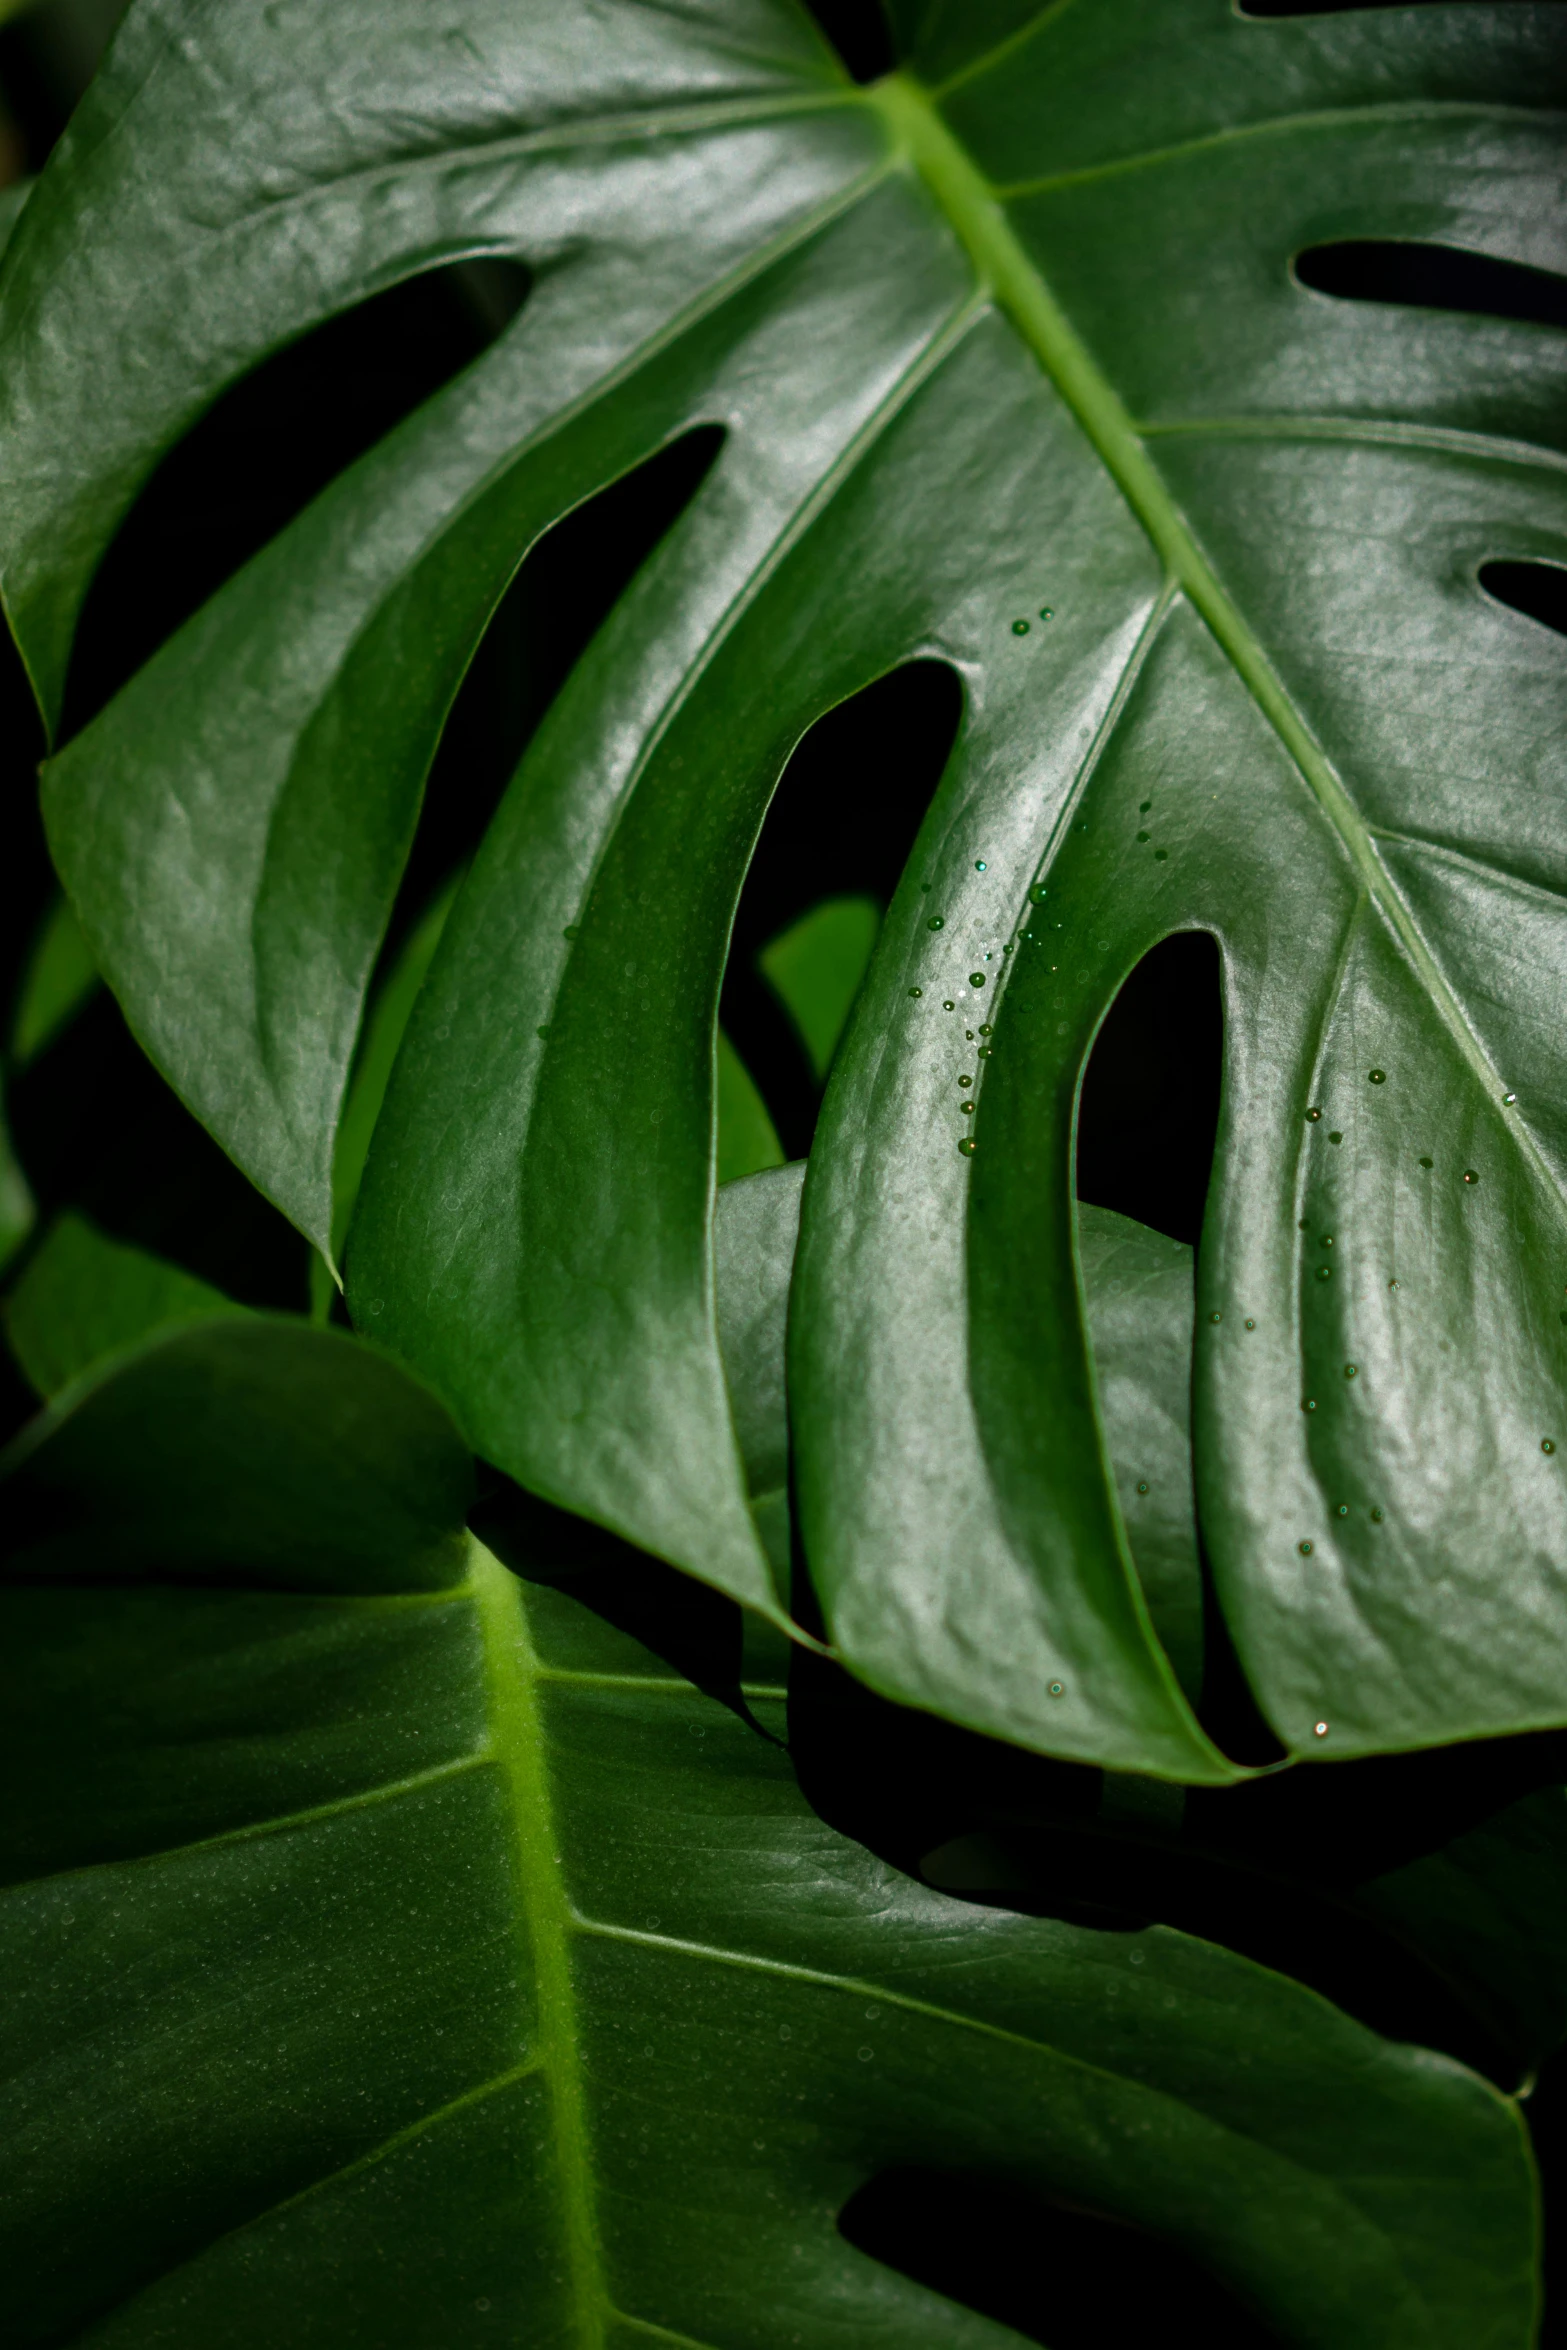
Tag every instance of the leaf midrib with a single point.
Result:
(973, 210)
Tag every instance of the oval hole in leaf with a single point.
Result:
(1055, 2273)
(1149, 1110)
(857, 30)
(566, 586)
(266, 448)
(840, 826)
(1433, 277)
(1537, 590)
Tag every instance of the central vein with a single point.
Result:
(512, 1675)
(971, 206)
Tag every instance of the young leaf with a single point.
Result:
(747, 1139)
(370, 1967)
(84, 1297)
(1015, 370)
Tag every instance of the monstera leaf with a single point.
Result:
(1014, 371)
(408, 1954)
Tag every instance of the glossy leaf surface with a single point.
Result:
(372, 1969)
(1014, 372)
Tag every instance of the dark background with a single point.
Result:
(1266, 1868)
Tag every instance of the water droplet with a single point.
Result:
(1039, 893)
(1020, 628)
(1160, 855)
(543, 1032)
(865, 2055)
(1425, 1162)
(925, 889)
(1319, 1729)
(965, 1081)
(1250, 1324)
(916, 992)
(1058, 1689)
(1546, 1445)
(784, 2032)
(1376, 1076)
(1508, 1100)
(376, 1304)
(1392, 1285)
(1352, 1370)
(571, 930)
(937, 922)
(1304, 1548)
(980, 865)
(1324, 1272)
(1216, 1316)
(976, 979)
(1377, 1517)
(1046, 612)
(1145, 836)
(967, 1108)
(984, 1052)
(1470, 1176)
(1308, 1403)
(1142, 1485)
(1335, 1138)
(947, 1004)
(1343, 1510)
(1327, 1240)
(966, 1146)
(482, 2302)
(969, 1034)
(1311, 1119)
(871, 2013)
(984, 1030)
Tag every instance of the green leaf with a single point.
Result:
(369, 1970)
(59, 978)
(1015, 372)
(1490, 1909)
(747, 1138)
(17, 1212)
(84, 1297)
(816, 967)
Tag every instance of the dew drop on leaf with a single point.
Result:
(1216, 1316)
(1470, 1176)
(966, 1146)
(1546, 1445)
(1508, 1100)
(1304, 1548)
(936, 922)
(1145, 836)
(1020, 628)
(1324, 1272)
(1057, 1689)
(1377, 1076)
(1142, 1485)
(1046, 612)
(916, 991)
(543, 1032)
(1160, 855)
(1144, 807)
(1309, 1403)
(571, 931)
(1377, 1517)
(1319, 1729)
(1311, 1119)
(1351, 1370)
(980, 865)
(1039, 893)
(976, 979)
(1342, 1511)
(948, 1005)
(1426, 1162)
(1250, 1324)
(967, 1108)
(984, 1030)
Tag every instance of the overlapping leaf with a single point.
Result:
(1015, 334)
(409, 1955)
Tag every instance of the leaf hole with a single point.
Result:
(1537, 590)
(1148, 1113)
(268, 446)
(839, 828)
(1056, 2272)
(1433, 277)
(857, 30)
(563, 591)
